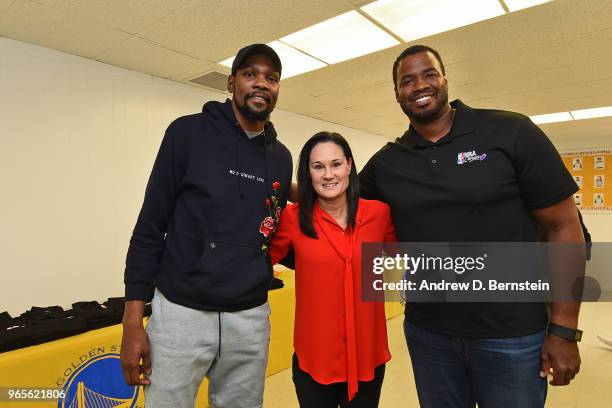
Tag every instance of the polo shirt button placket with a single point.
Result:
(433, 160)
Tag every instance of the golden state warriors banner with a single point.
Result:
(79, 371)
(592, 171)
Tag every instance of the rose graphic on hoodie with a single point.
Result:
(267, 226)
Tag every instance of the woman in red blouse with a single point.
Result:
(340, 341)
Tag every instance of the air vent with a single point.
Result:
(215, 80)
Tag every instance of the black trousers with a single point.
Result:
(312, 394)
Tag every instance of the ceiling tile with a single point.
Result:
(386, 120)
(390, 132)
(379, 108)
(358, 95)
(359, 3)
(61, 5)
(38, 24)
(309, 105)
(131, 16)
(394, 118)
(339, 115)
(580, 129)
(144, 56)
(215, 30)
(292, 92)
(366, 117)
(570, 93)
(580, 73)
(200, 69)
(465, 92)
(4, 5)
(394, 130)
(566, 103)
(567, 51)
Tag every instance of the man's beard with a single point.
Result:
(254, 115)
(428, 115)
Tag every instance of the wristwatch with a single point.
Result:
(564, 332)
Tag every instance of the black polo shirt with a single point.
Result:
(479, 183)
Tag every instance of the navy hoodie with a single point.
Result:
(210, 206)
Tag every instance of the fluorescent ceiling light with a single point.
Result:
(422, 18)
(592, 113)
(551, 118)
(341, 38)
(572, 115)
(294, 62)
(228, 62)
(514, 5)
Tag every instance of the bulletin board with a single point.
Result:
(592, 171)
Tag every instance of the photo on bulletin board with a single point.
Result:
(578, 199)
(589, 171)
(578, 180)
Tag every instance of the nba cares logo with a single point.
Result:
(468, 157)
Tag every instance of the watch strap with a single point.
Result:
(564, 332)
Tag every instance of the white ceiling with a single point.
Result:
(549, 58)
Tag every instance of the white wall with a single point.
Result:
(77, 142)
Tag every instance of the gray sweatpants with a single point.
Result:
(230, 348)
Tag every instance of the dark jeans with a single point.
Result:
(312, 394)
(457, 372)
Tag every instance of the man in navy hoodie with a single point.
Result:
(199, 248)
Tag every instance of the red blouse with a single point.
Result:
(337, 337)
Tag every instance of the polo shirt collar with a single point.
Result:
(463, 123)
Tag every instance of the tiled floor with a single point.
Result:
(592, 388)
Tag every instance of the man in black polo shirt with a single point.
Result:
(472, 175)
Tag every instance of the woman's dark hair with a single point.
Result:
(307, 195)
